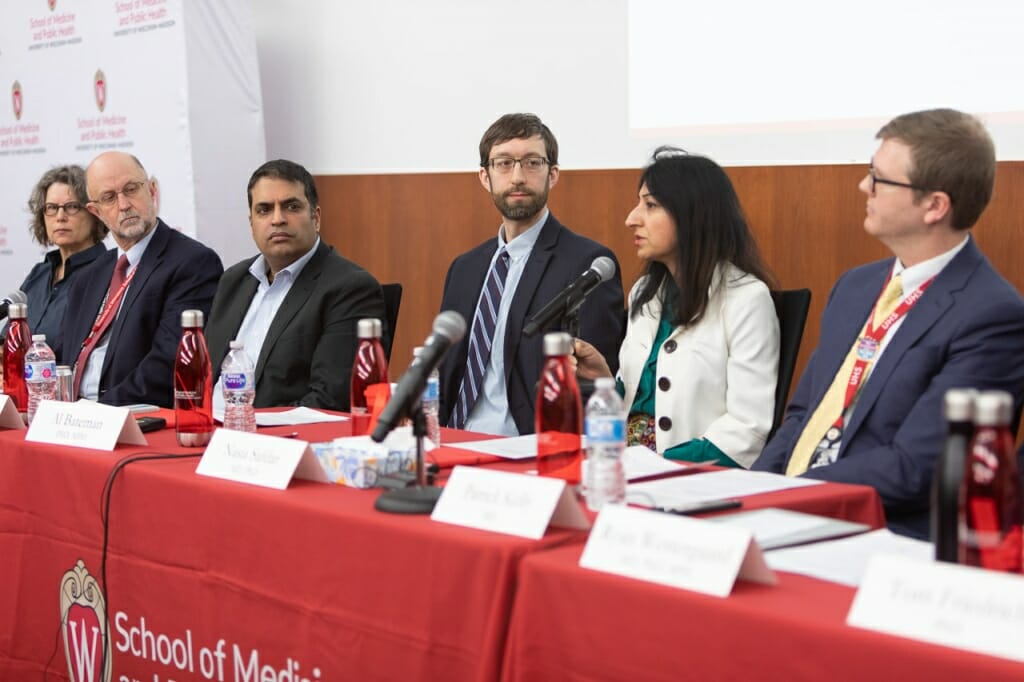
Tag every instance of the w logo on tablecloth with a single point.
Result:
(84, 626)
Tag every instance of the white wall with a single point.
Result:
(410, 85)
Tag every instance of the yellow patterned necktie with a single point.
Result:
(831, 406)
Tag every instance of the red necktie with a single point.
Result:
(107, 314)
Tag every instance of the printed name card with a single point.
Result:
(941, 603)
(503, 502)
(674, 550)
(9, 417)
(84, 424)
(267, 461)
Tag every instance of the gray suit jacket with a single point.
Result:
(306, 358)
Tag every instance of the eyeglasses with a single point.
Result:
(875, 180)
(129, 190)
(530, 164)
(70, 208)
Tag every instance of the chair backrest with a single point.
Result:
(791, 306)
(392, 302)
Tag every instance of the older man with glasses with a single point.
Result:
(487, 380)
(896, 334)
(122, 327)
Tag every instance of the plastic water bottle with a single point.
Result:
(238, 376)
(193, 390)
(606, 440)
(559, 417)
(16, 345)
(40, 374)
(431, 402)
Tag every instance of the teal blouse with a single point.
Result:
(696, 450)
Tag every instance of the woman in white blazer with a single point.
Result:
(699, 362)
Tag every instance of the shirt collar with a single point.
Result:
(258, 269)
(522, 245)
(916, 275)
(138, 248)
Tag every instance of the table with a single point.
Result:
(245, 583)
(309, 581)
(571, 623)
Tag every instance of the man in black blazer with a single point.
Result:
(518, 167)
(132, 359)
(296, 305)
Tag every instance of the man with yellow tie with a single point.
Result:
(896, 334)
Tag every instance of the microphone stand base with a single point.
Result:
(411, 500)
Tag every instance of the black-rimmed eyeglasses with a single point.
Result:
(875, 180)
(71, 208)
(529, 164)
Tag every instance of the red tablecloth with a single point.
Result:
(571, 623)
(310, 580)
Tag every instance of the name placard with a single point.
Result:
(504, 502)
(9, 417)
(84, 424)
(941, 603)
(267, 461)
(674, 550)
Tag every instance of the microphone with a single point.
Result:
(570, 298)
(16, 296)
(449, 328)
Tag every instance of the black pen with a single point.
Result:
(703, 507)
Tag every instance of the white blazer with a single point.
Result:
(715, 380)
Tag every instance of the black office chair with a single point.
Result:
(791, 307)
(392, 302)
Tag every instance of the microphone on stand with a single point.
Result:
(16, 296)
(570, 298)
(449, 328)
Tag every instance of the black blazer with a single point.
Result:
(306, 358)
(558, 257)
(176, 273)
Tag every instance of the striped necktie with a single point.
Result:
(481, 339)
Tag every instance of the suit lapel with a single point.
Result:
(935, 302)
(526, 289)
(151, 260)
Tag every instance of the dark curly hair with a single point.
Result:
(74, 177)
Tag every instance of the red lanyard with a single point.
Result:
(108, 309)
(871, 340)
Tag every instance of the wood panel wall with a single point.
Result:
(807, 219)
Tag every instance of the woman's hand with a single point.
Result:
(589, 363)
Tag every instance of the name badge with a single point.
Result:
(84, 424)
(503, 502)
(674, 550)
(267, 461)
(958, 606)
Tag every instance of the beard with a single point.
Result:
(522, 209)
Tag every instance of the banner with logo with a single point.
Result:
(176, 84)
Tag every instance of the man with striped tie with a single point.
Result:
(488, 379)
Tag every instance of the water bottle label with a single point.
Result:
(606, 429)
(40, 371)
(432, 390)
(236, 380)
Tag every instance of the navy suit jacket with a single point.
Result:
(306, 358)
(558, 258)
(967, 330)
(176, 273)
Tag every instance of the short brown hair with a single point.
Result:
(516, 127)
(950, 152)
(73, 177)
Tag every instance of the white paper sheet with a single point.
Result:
(685, 490)
(299, 415)
(520, 447)
(844, 561)
(783, 527)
